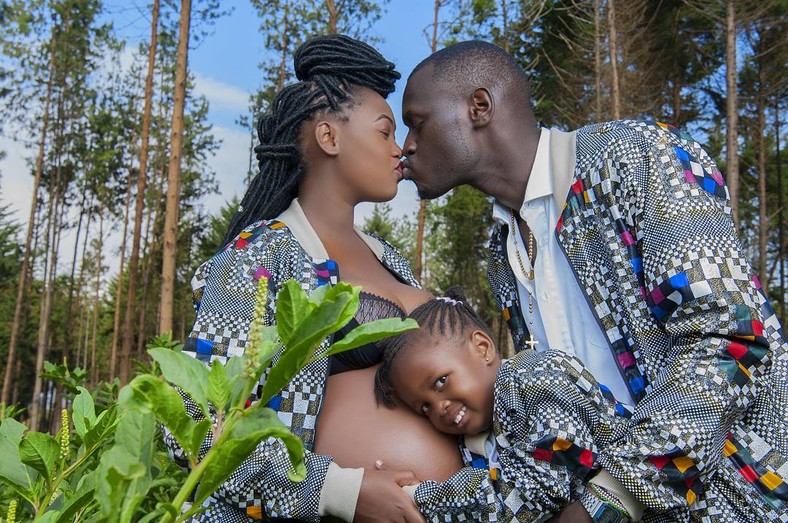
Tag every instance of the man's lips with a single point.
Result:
(406, 169)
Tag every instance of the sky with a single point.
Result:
(225, 70)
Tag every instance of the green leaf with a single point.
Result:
(292, 307)
(13, 472)
(103, 428)
(148, 393)
(40, 451)
(329, 316)
(124, 471)
(371, 332)
(218, 386)
(84, 412)
(185, 372)
(80, 499)
(257, 424)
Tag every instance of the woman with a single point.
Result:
(326, 144)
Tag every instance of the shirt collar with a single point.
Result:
(539, 179)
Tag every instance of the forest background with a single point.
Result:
(119, 188)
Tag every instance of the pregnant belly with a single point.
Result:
(355, 431)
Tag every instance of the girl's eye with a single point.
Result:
(440, 383)
(425, 409)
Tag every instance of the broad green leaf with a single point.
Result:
(49, 516)
(148, 393)
(371, 332)
(13, 472)
(257, 424)
(320, 322)
(185, 372)
(124, 471)
(218, 386)
(84, 412)
(80, 499)
(292, 306)
(103, 428)
(234, 368)
(40, 451)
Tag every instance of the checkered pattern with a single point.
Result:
(695, 338)
(225, 288)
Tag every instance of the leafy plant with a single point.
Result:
(51, 473)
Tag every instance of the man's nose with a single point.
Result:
(409, 147)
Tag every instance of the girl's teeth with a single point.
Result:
(460, 415)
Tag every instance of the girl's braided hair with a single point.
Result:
(328, 69)
(450, 315)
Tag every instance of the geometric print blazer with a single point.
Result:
(224, 292)
(647, 230)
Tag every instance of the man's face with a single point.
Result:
(438, 148)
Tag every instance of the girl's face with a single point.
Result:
(450, 381)
(369, 156)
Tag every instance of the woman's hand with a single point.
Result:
(382, 499)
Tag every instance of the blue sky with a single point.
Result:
(225, 68)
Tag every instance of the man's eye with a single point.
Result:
(440, 383)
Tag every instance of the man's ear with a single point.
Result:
(483, 346)
(326, 137)
(481, 107)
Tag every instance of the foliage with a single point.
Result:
(105, 465)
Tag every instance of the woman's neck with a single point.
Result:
(328, 215)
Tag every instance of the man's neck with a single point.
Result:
(509, 170)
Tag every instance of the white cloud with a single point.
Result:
(230, 165)
(220, 95)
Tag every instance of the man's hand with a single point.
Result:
(382, 499)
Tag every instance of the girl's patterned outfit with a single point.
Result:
(647, 230)
(224, 290)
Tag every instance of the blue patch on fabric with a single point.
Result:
(636, 385)
(275, 402)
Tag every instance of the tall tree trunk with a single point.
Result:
(72, 282)
(97, 302)
(333, 16)
(25, 269)
(169, 251)
(128, 321)
(81, 347)
(121, 266)
(280, 81)
(597, 61)
(422, 215)
(505, 20)
(781, 242)
(763, 219)
(613, 50)
(732, 111)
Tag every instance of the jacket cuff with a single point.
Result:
(339, 494)
(606, 481)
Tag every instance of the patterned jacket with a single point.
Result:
(224, 289)
(647, 230)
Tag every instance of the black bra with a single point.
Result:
(370, 307)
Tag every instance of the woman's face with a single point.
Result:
(369, 156)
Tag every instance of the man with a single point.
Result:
(615, 242)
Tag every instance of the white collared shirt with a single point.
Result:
(562, 318)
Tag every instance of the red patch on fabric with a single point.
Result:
(586, 458)
(659, 461)
(737, 350)
(749, 474)
(543, 454)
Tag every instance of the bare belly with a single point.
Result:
(356, 432)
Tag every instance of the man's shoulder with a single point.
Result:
(645, 132)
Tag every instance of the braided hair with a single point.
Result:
(328, 68)
(448, 316)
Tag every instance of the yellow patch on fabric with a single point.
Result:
(506, 315)
(771, 480)
(277, 225)
(561, 444)
(729, 448)
(743, 369)
(690, 497)
(494, 474)
(683, 463)
(244, 234)
(254, 512)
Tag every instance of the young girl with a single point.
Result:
(549, 419)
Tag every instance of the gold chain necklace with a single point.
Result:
(529, 251)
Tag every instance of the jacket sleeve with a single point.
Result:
(701, 290)
(469, 493)
(225, 288)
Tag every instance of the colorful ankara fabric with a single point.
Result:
(225, 289)
(647, 231)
